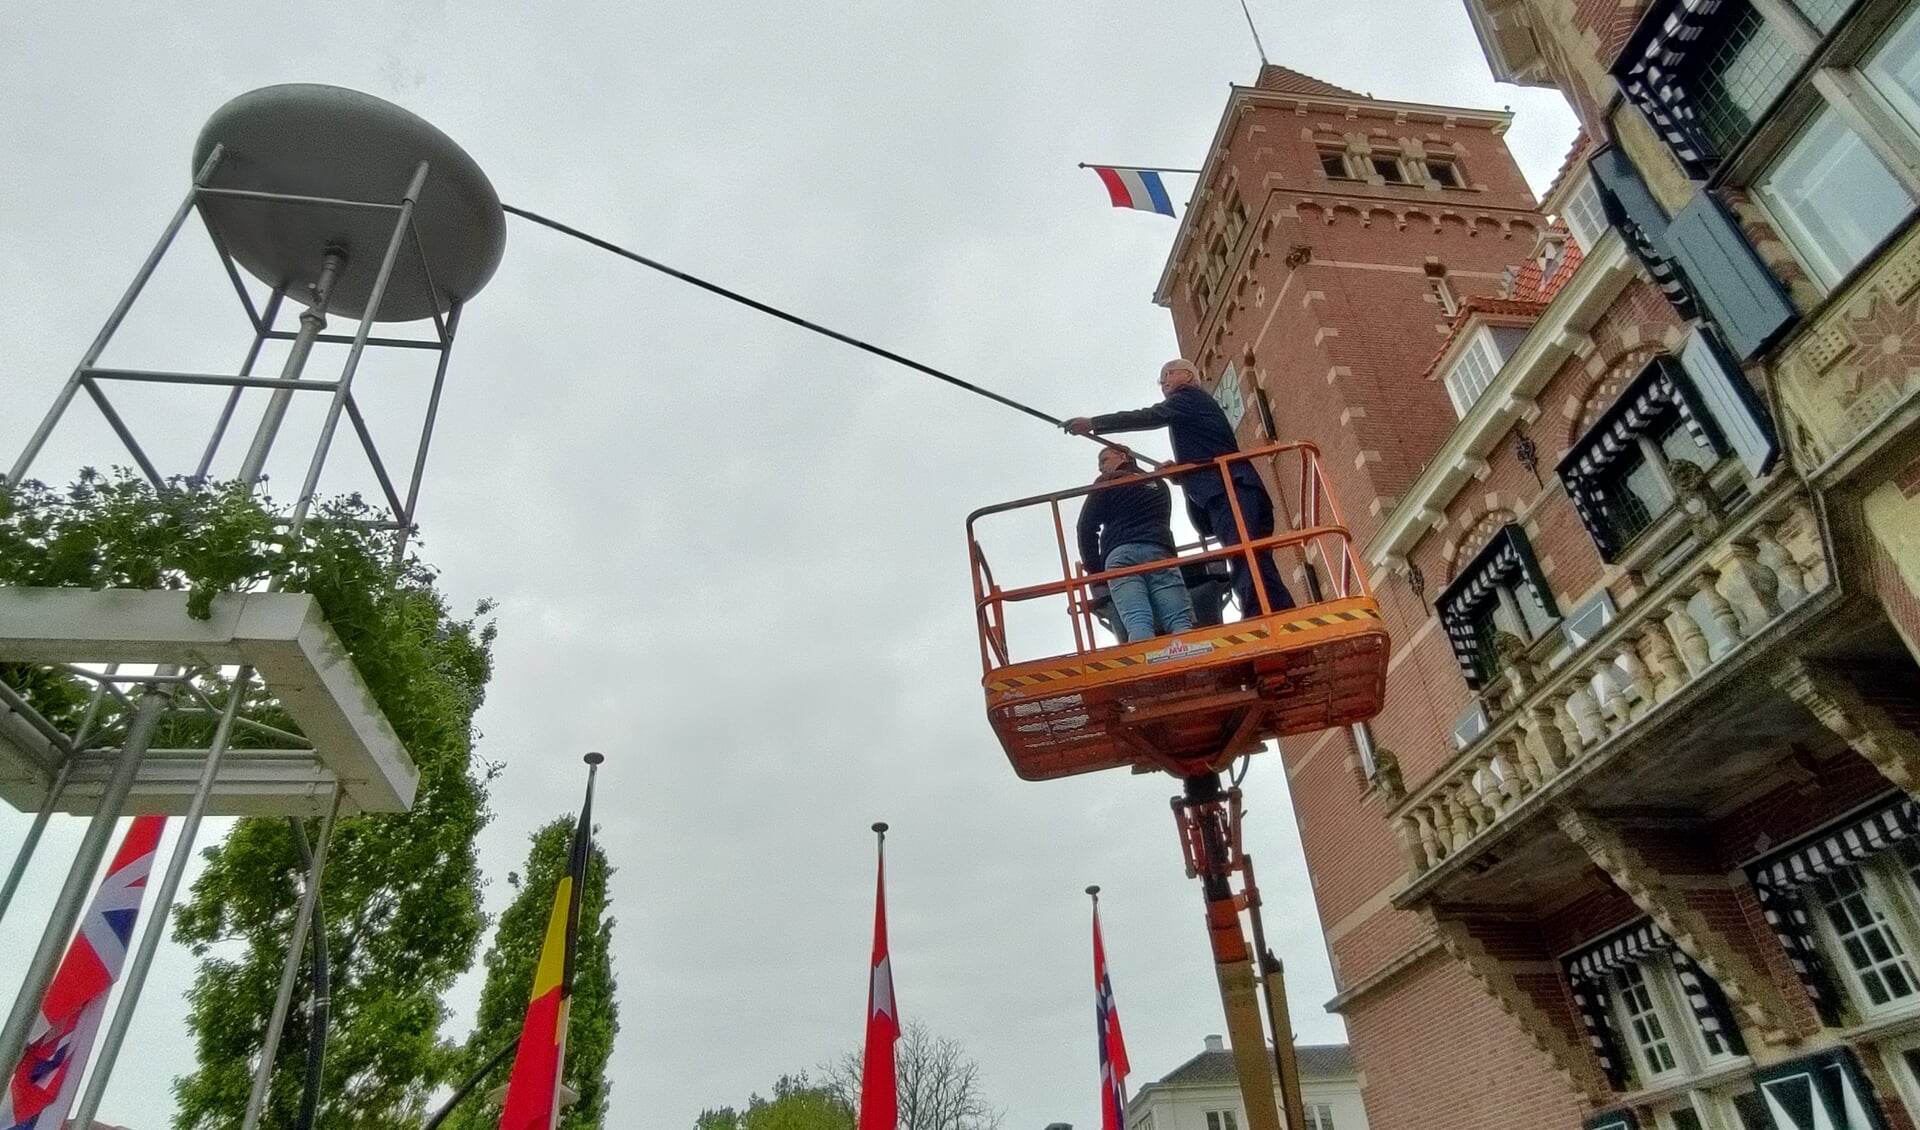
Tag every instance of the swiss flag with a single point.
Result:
(879, 1094)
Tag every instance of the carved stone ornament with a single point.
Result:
(1706, 514)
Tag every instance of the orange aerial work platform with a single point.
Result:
(1192, 702)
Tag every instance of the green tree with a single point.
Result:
(593, 1015)
(797, 1104)
(402, 891)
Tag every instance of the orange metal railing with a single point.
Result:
(1318, 532)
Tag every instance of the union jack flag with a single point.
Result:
(41, 1089)
(1113, 1049)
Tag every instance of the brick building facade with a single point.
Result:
(1632, 843)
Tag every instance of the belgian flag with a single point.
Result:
(533, 1090)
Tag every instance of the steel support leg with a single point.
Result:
(283, 1002)
(345, 387)
(135, 977)
(86, 861)
(28, 846)
(119, 315)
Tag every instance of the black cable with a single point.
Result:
(320, 1010)
(795, 319)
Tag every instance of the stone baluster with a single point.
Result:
(1805, 545)
(1457, 819)
(1430, 847)
(1407, 832)
(1687, 636)
(1748, 586)
(1638, 681)
(1610, 707)
(1585, 712)
(1487, 798)
(1789, 577)
(1572, 741)
(1722, 612)
(1505, 768)
(1669, 673)
(1546, 744)
(1480, 813)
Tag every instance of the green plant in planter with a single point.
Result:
(402, 893)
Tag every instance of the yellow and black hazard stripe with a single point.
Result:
(1013, 682)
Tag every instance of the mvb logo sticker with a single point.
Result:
(1179, 649)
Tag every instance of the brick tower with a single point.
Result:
(1336, 245)
(1330, 243)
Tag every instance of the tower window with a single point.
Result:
(1333, 162)
(1444, 172)
(1388, 169)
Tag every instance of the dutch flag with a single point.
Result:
(1140, 189)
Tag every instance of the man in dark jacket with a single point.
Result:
(1200, 433)
(1130, 523)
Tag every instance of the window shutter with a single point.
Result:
(1720, 267)
(1630, 206)
(1731, 402)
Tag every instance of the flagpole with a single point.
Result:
(1138, 168)
(1256, 33)
(1093, 892)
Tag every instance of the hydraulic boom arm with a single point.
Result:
(1208, 818)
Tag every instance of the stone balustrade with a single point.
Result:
(1748, 571)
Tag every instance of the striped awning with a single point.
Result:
(1650, 70)
(1587, 973)
(1505, 560)
(1776, 878)
(1661, 388)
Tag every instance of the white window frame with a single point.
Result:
(1373, 171)
(1319, 1116)
(1586, 220)
(1447, 159)
(1345, 159)
(1817, 258)
(1692, 1056)
(1889, 130)
(1892, 895)
(1667, 1008)
(1225, 1119)
(1474, 370)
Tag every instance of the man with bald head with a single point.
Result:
(1200, 433)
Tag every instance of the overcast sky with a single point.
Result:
(727, 553)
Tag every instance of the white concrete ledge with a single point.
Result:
(284, 638)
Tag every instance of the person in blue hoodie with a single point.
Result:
(1128, 523)
(1200, 433)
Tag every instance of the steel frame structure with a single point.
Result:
(159, 689)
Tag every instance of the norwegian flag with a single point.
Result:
(1114, 1068)
(41, 1089)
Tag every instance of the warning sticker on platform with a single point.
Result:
(1179, 649)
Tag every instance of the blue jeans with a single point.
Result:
(1141, 599)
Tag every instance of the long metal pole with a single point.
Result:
(28, 846)
(263, 1073)
(135, 977)
(99, 346)
(426, 434)
(86, 861)
(267, 319)
(345, 385)
(312, 320)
